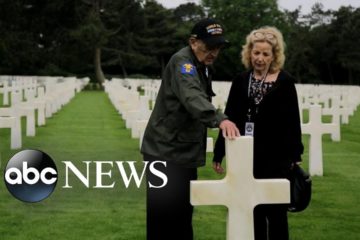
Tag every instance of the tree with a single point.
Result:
(19, 48)
(125, 20)
(122, 37)
(36, 39)
(188, 12)
(158, 33)
(298, 48)
(92, 32)
(345, 27)
(185, 16)
(239, 17)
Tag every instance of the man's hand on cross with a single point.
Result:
(229, 129)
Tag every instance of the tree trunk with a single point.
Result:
(97, 64)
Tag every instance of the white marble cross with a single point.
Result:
(209, 144)
(24, 109)
(335, 112)
(239, 190)
(10, 119)
(144, 113)
(5, 90)
(316, 129)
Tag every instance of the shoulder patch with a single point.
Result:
(188, 68)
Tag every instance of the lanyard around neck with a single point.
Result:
(261, 83)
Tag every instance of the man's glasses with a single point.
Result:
(210, 49)
(265, 36)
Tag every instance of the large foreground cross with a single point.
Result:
(239, 190)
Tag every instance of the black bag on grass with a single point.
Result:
(300, 189)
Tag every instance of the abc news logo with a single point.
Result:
(31, 175)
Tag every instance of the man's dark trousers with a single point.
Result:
(169, 212)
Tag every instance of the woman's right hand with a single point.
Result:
(218, 168)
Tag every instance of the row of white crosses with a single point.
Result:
(151, 89)
(337, 103)
(30, 94)
(135, 109)
(10, 117)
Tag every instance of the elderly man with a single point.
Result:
(176, 132)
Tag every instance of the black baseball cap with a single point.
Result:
(210, 32)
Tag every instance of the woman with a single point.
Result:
(263, 104)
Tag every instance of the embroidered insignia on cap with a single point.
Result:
(188, 68)
(214, 29)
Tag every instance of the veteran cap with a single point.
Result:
(209, 31)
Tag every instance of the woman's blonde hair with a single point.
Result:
(270, 35)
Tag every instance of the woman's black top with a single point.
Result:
(277, 127)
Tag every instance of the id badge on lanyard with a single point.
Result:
(249, 125)
(249, 129)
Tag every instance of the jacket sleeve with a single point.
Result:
(185, 84)
(230, 111)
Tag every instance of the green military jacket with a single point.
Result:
(177, 128)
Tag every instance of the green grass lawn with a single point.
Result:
(89, 129)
